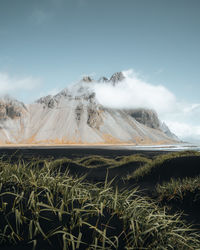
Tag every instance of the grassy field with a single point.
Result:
(172, 165)
(78, 204)
(182, 195)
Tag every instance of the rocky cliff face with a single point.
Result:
(145, 116)
(150, 119)
(10, 108)
(12, 120)
(75, 116)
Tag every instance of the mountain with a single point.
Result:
(149, 118)
(75, 116)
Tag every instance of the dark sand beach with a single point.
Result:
(72, 152)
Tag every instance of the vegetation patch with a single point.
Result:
(97, 167)
(185, 192)
(134, 157)
(96, 161)
(182, 195)
(45, 209)
(177, 189)
(165, 167)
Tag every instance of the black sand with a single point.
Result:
(72, 152)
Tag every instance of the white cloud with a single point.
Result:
(134, 92)
(185, 131)
(182, 118)
(12, 85)
(186, 122)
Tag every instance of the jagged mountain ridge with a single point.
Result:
(75, 116)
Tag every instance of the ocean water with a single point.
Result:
(173, 147)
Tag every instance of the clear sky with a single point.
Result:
(47, 44)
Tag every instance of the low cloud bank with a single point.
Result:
(134, 92)
(182, 118)
(186, 122)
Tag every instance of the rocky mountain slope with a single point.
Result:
(75, 116)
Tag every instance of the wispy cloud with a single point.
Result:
(13, 85)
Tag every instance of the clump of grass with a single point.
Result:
(66, 165)
(96, 161)
(95, 167)
(133, 158)
(126, 166)
(52, 210)
(179, 189)
(166, 166)
(182, 195)
(99, 161)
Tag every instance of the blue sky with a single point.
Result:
(47, 44)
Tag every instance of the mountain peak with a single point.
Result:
(117, 77)
(103, 79)
(86, 79)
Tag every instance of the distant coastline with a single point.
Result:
(156, 147)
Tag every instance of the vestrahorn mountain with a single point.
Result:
(74, 116)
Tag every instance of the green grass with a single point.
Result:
(95, 167)
(45, 208)
(179, 189)
(99, 161)
(181, 195)
(164, 167)
(96, 161)
(132, 158)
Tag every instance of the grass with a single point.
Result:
(132, 158)
(172, 165)
(96, 167)
(96, 161)
(182, 193)
(179, 188)
(46, 208)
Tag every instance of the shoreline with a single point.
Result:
(144, 147)
(74, 151)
